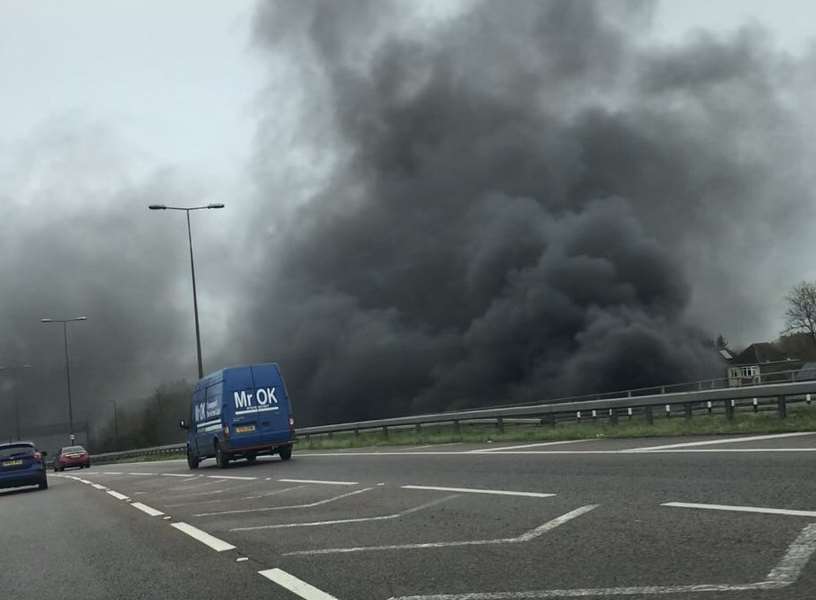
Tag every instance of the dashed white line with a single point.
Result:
(111, 473)
(752, 438)
(525, 537)
(203, 537)
(346, 521)
(142, 473)
(117, 495)
(477, 491)
(96, 486)
(236, 477)
(147, 509)
(319, 481)
(747, 509)
(295, 585)
(271, 508)
(177, 475)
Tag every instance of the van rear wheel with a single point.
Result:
(251, 458)
(221, 458)
(285, 452)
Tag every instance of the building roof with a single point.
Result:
(761, 352)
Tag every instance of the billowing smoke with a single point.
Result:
(522, 200)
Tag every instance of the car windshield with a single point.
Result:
(16, 451)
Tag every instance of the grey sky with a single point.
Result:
(107, 106)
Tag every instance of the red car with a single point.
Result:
(72, 456)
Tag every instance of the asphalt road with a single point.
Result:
(455, 522)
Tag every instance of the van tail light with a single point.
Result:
(291, 422)
(226, 430)
(38, 457)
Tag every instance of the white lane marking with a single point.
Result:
(275, 493)
(241, 559)
(142, 473)
(571, 452)
(236, 477)
(748, 509)
(796, 557)
(477, 491)
(147, 509)
(203, 537)
(295, 585)
(752, 438)
(786, 572)
(720, 450)
(98, 487)
(524, 537)
(111, 473)
(320, 481)
(205, 493)
(85, 481)
(346, 521)
(484, 450)
(271, 508)
(117, 495)
(177, 475)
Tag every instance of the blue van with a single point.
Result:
(239, 412)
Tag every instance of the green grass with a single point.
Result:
(800, 418)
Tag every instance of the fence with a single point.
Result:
(627, 404)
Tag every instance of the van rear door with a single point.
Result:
(272, 403)
(240, 396)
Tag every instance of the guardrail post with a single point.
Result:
(755, 403)
(668, 411)
(782, 407)
(457, 427)
(331, 434)
(500, 424)
(688, 409)
(578, 416)
(649, 414)
(729, 409)
(807, 398)
(708, 406)
(613, 416)
(662, 389)
(418, 429)
(594, 415)
(629, 413)
(385, 431)
(356, 433)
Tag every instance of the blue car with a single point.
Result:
(239, 412)
(22, 464)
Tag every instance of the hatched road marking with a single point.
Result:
(524, 537)
(752, 438)
(785, 573)
(319, 481)
(747, 509)
(354, 520)
(271, 508)
(500, 449)
(477, 491)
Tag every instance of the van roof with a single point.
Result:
(229, 375)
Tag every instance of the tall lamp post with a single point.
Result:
(192, 270)
(16, 400)
(67, 366)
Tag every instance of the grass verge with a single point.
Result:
(800, 418)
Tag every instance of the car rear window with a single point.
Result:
(11, 451)
(73, 449)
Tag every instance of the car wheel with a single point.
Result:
(251, 458)
(285, 452)
(44, 484)
(221, 458)
(192, 461)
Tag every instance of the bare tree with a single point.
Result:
(800, 316)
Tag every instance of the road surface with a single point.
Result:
(675, 518)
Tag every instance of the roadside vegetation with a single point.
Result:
(800, 418)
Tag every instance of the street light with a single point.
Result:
(192, 270)
(67, 366)
(16, 400)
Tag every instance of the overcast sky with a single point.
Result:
(107, 106)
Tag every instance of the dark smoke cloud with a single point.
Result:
(527, 199)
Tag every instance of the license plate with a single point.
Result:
(245, 428)
(12, 463)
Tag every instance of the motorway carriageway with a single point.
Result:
(702, 517)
